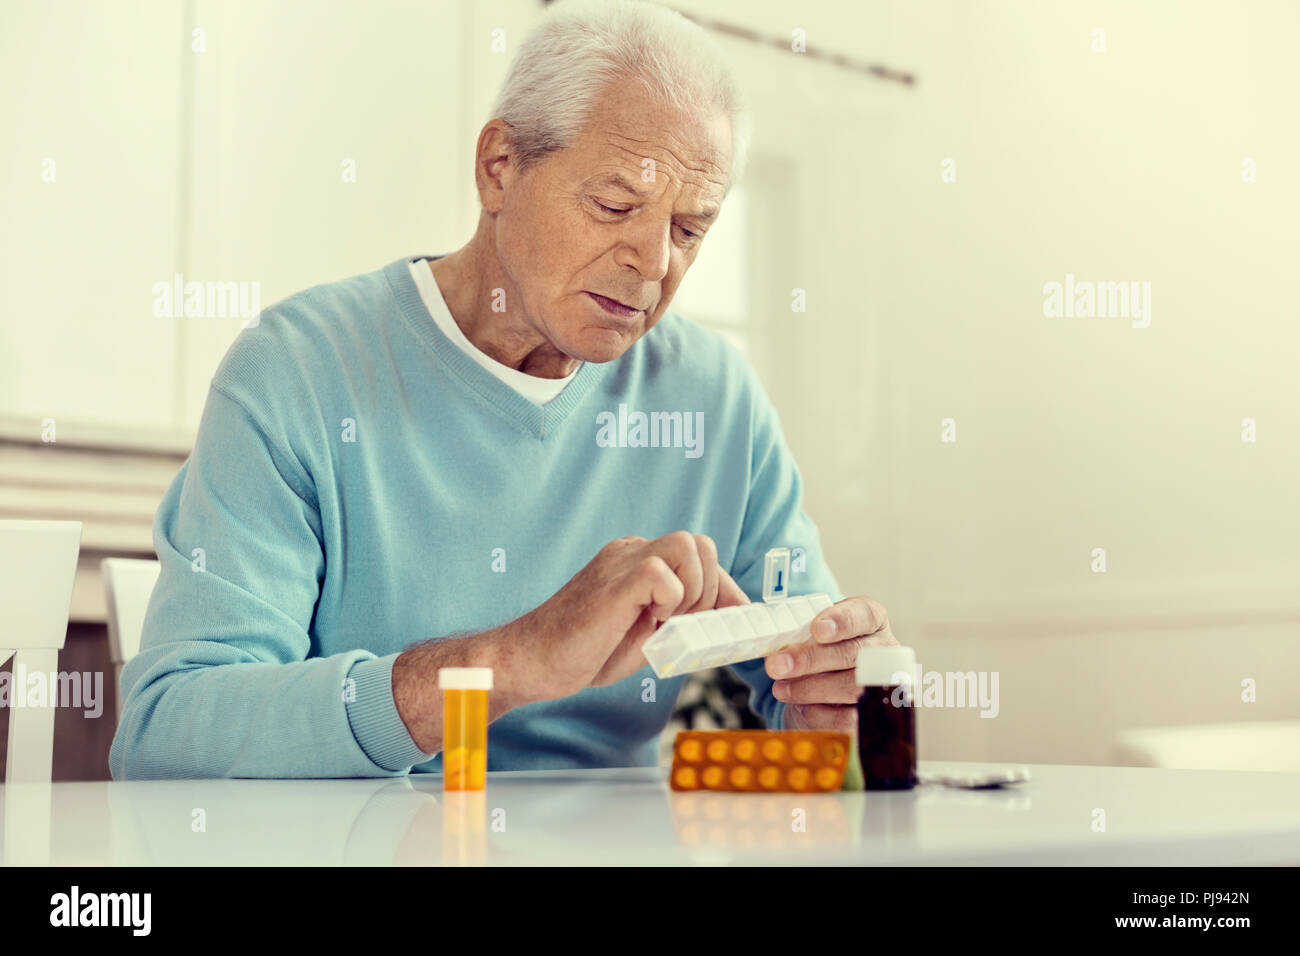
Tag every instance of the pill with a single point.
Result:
(773, 749)
(690, 750)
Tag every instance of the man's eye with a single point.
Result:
(607, 208)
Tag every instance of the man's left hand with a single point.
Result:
(815, 678)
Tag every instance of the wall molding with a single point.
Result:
(113, 492)
(1187, 605)
(90, 435)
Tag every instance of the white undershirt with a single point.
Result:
(539, 391)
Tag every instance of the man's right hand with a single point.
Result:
(590, 633)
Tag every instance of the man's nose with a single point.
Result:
(646, 247)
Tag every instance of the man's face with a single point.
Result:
(596, 238)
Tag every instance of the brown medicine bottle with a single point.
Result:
(886, 717)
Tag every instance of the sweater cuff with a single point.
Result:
(373, 716)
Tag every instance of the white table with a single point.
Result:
(1158, 817)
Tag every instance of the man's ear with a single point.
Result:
(494, 164)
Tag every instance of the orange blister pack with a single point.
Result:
(771, 761)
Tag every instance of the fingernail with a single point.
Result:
(782, 664)
(824, 629)
(778, 689)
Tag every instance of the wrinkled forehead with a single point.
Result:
(629, 126)
(656, 149)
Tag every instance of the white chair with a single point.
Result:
(38, 564)
(128, 583)
(1248, 745)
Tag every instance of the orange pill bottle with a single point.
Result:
(464, 726)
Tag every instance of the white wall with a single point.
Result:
(1072, 434)
(88, 209)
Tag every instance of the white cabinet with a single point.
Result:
(326, 142)
(90, 134)
(283, 144)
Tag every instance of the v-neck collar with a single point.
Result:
(540, 421)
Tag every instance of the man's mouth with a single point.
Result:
(614, 306)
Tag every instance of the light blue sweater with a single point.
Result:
(358, 485)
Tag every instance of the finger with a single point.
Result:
(680, 552)
(627, 657)
(882, 638)
(838, 717)
(708, 554)
(792, 718)
(658, 588)
(806, 658)
(852, 617)
(836, 687)
(729, 592)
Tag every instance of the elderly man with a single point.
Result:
(402, 471)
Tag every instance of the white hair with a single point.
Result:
(566, 61)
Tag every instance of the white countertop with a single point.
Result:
(629, 816)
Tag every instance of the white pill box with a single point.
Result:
(693, 642)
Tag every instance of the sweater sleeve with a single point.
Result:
(225, 684)
(774, 518)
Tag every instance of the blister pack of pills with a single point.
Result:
(793, 761)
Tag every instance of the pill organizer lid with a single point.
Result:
(465, 678)
(884, 666)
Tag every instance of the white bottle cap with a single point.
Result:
(884, 666)
(465, 678)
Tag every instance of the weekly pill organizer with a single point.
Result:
(692, 642)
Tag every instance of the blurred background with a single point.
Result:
(921, 170)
